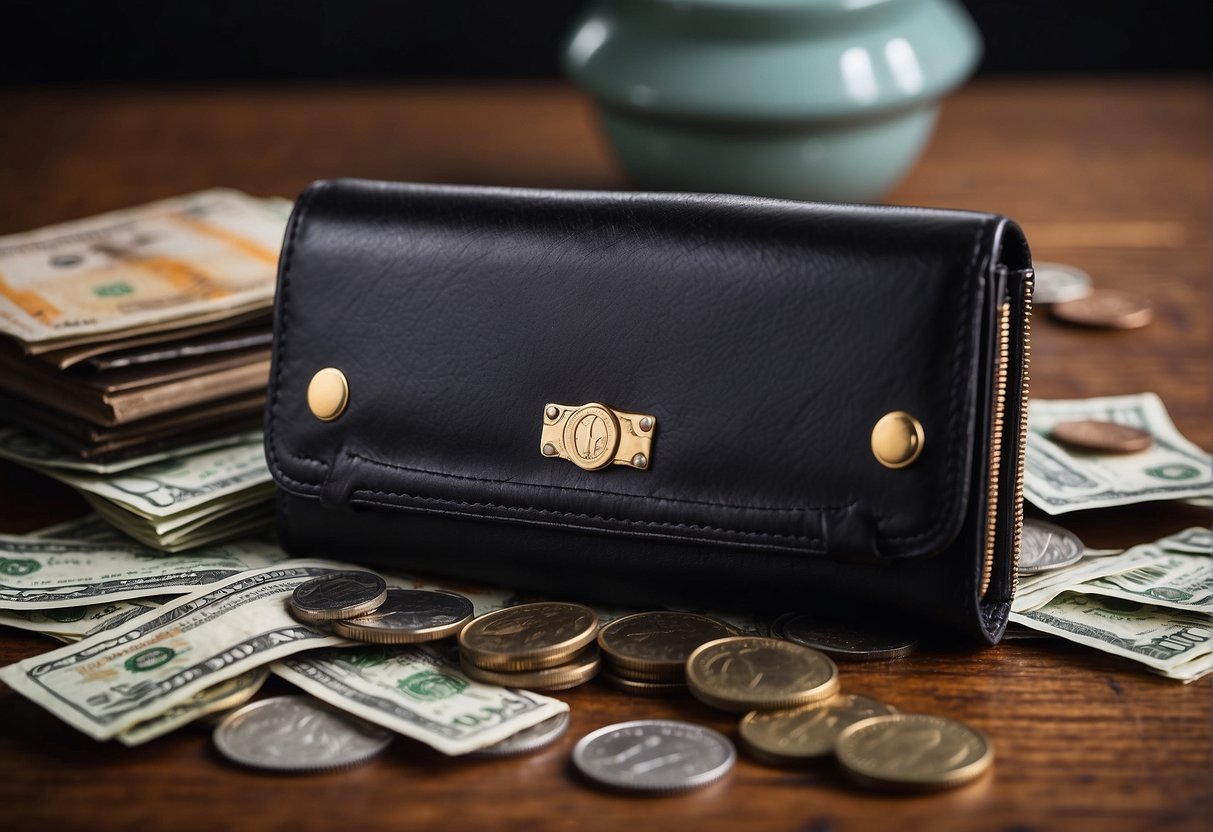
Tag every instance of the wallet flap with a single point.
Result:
(764, 339)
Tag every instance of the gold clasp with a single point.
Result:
(592, 436)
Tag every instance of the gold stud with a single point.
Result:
(328, 394)
(897, 439)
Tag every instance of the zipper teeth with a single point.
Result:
(1023, 431)
(996, 433)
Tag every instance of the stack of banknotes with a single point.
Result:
(1152, 603)
(134, 356)
(142, 329)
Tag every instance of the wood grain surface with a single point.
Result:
(1112, 175)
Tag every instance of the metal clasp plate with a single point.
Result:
(593, 436)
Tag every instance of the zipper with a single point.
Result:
(997, 430)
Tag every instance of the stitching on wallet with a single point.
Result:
(368, 494)
(646, 497)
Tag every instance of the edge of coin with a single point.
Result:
(536, 659)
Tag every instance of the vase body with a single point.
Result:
(804, 99)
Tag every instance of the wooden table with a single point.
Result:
(1110, 175)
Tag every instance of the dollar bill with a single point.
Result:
(44, 574)
(419, 693)
(1174, 580)
(114, 680)
(230, 693)
(75, 623)
(174, 260)
(1157, 564)
(1057, 480)
(35, 452)
(1178, 643)
(176, 486)
(223, 521)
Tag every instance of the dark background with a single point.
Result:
(177, 41)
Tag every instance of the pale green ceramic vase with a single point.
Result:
(805, 99)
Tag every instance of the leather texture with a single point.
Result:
(766, 337)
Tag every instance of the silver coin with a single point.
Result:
(1058, 283)
(842, 640)
(409, 616)
(1047, 546)
(338, 595)
(528, 739)
(297, 734)
(654, 755)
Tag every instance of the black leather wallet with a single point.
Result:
(656, 398)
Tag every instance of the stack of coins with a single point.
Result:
(543, 646)
(646, 653)
(797, 715)
(360, 606)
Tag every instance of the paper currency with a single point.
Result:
(112, 681)
(177, 485)
(417, 692)
(1058, 480)
(177, 502)
(74, 623)
(1178, 643)
(175, 260)
(1162, 567)
(44, 574)
(35, 452)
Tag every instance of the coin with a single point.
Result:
(580, 669)
(915, 752)
(297, 733)
(338, 595)
(745, 673)
(1105, 437)
(654, 755)
(679, 677)
(528, 636)
(643, 688)
(658, 641)
(842, 640)
(528, 739)
(409, 616)
(1058, 283)
(799, 735)
(1106, 309)
(1046, 546)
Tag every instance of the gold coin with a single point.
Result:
(747, 673)
(1105, 437)
(658, 641)
(677, 677)
(582, 668)
(1110, 310)
(799, 735)
(528, 636)
(643, 688)
(409, 616)
(913, 752)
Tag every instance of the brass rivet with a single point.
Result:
(549, 449)
(553, 412)
(646, 424)
(897, 439)
(640, 461)
(328, 394)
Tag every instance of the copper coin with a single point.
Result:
(528, 636)
(1105, 437)
(577, 671)
(1110, 310)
